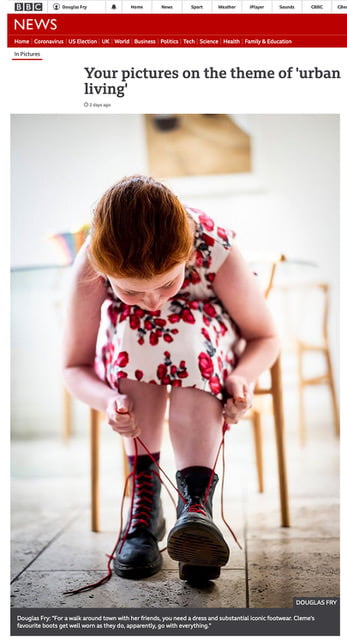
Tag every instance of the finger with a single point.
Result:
(242, 407)
(236, 391)
(122, 423)
(122, 428)
(122, 418)
(230, 406)
(132, 432)
(126, 432)
(122, 404)
(230, 412)
(244, 401)
(232, 415)
(241, 398)
(241, 403)
(249, 393)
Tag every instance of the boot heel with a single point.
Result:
(197, 543)
(197, 575)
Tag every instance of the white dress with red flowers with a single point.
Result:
(190, 342)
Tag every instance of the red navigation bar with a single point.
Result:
(153, 30)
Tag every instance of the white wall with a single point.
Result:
(294, 206)
(60, 166)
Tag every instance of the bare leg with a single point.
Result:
(195, 427)
(149, 408)
(138, 555)
(196, 430)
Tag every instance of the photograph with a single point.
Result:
(174, 363)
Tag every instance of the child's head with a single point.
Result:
(141, 238)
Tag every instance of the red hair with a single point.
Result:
(140, 229)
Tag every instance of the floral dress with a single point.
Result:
(191, 342)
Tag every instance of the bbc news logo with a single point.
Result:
(28, 6)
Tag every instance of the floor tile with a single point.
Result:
(278, 571)
(317, 518)
(165, 589)
(32, 531)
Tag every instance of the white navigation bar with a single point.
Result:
(181, 6)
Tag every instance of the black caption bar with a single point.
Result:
(309, 617)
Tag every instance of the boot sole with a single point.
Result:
(137, 573)
(198, 575)
(198, 544)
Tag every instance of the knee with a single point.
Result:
(192, 408)
(145, 390)
(181, 421)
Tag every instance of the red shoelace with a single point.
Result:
(140, 507)
(144, 497)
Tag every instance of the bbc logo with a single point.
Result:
(28, 6)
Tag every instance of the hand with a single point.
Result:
(121, 418)
(241, 397)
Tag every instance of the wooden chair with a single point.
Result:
(321, 346)
(95, 418)
(303, 347)
(273, 389)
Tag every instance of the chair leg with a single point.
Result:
(333, 392)
(67, 415)
(302, 423)
(125, 469)
(94, 459)
(258, 444)
(276, 386)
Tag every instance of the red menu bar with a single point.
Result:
(153, 30)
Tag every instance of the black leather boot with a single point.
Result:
(195, 541)
(138, 556)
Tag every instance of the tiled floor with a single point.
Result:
(53, 549)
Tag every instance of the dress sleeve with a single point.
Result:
(212, 242)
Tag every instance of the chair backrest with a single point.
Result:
(272, 272)
(305, 306)
(300, 306)
(265, 267)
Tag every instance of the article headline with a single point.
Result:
(210, 73)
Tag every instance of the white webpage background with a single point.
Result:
(55, 86)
